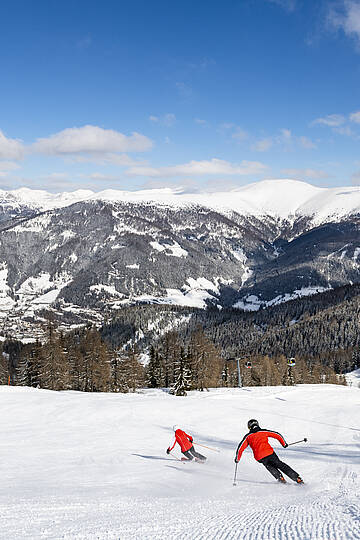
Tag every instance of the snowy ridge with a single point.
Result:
(253, 303)
(281, 198)
(252, 247)
(95, 465)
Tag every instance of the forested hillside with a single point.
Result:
(189, 348)
(324, 328)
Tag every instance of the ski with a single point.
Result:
(184, 460)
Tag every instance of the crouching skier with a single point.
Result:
(185, 442)
(257, 439)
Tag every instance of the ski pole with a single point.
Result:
(297, 442)
(234, 482)
(208, 447)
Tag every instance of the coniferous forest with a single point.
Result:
(185, 349)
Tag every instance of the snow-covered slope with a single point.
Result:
(353, 378)
(281, 198)
(250, 247)
(42, 200)
(86, 466)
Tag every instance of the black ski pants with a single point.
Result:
(191, 453)
(274, 466)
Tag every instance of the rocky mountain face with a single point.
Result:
(85, 258)
(318, 259)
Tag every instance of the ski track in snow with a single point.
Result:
(93, 466)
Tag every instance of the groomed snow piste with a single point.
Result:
(93, 466)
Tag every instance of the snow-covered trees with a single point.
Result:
(4, 367)
(182, 375)
(192, 355)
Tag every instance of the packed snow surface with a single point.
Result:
(93, 466)
(353, 378)
(284, 198)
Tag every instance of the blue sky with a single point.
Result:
(204, 94)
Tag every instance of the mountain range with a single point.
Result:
(85, 254)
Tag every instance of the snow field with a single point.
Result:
(284, 198)
(94, 466)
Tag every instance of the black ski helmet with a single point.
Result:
(253, 423)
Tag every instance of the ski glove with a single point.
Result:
(286, 445)
(168, 451)
(236, 460)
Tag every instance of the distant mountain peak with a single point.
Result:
(274, 197)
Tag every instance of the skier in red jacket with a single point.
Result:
(257, 439)
(185, 442)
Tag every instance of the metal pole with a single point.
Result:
(234, 481)
(297, 442)
(239, 375)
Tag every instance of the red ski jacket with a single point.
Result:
(258, 442)
(183, 439)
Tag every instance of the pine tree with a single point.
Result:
(170, 353)
(4, 367)
(54, 368)
(131, 373)
(76, 365)
(205, 361)
(154, 370)
(182, 376)
(29, 367)
(96, 375)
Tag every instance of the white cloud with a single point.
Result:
(199, 168)
(337, 123)
(123, 160)
(91, 140)
(10, 148)
(56, 176)
(263, 144)
(226, 125)
(168, 119)
(100, 176)
(200, 121)
(240, 135)
(305, 173)
(331, 120)
(346, 16)
(284, 139)
(8, 166)
(305, 142)
(355, 117)
(285, 134)
(344, 130)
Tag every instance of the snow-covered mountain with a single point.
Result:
(86, 252)
(278, 198)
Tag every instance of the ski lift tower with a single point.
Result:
(238, 368)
